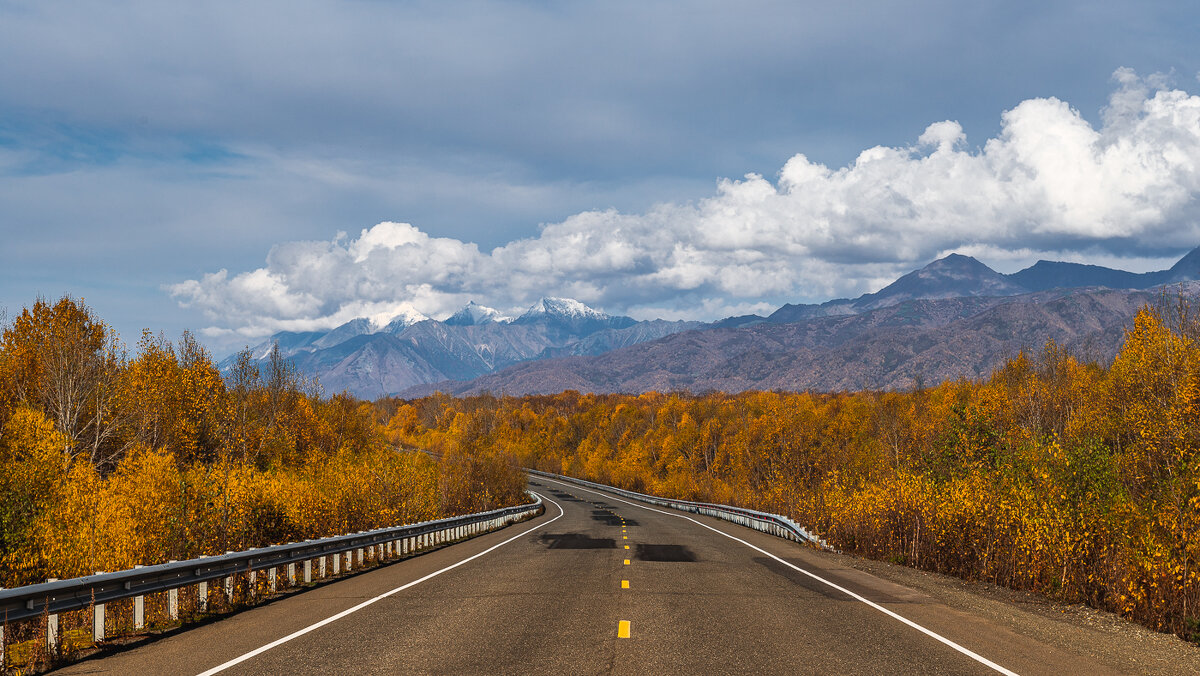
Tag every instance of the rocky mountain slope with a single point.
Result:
(893, 347)
(955, 317)
(413, 349)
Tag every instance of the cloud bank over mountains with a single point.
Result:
(1050, 184)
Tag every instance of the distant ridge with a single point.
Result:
(953, 317)
(963, 276)
(893, 347)
(412, 349)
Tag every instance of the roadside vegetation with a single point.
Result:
(109, 460)
(1072, 479)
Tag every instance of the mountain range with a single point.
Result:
(955, 317)
(412, 349)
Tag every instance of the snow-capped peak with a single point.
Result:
(474, 314)
(406, 318)
(563, 307)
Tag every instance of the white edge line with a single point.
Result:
(296, 634)
(929, 632)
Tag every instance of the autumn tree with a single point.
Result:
(62, 359)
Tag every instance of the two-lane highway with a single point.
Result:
(601, 585)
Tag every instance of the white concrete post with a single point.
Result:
(229, 586)
(360, 558)
(337, 563)
(97, 621)
(321, 567)
(271, 580)
(252, 585)
(291, 574)
(202, 596)
(173, 601)
(52, 626)
(139, 610)
(308, 571)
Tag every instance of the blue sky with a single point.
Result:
(336, 159)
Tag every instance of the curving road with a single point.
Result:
(567, 593)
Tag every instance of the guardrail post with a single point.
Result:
(291, 575)
(202, 596)
(252, 584)
(139, 609)
(52, 626)
(173, 601)
(271, 580)
(97, 621)
(321, 568)
(308, 571)
(337, 563)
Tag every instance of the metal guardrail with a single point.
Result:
(775, 524)
(22, 603)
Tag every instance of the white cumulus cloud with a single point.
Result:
(1050, 184)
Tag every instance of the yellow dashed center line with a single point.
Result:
(623, 629)
(624, 584)
(626, 546)
(627, 562)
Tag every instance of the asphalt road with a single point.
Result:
(561, 594)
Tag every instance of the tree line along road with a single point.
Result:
(602, 585)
